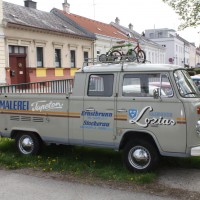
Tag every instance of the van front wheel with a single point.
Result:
(140, 156)
(27, 143)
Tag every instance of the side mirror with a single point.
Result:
(156, 93)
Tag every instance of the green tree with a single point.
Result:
(188, 10)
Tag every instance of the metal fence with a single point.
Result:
(56, 86)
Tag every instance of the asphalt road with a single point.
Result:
(17, 186)
(185, 179)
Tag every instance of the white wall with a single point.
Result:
(192, 56)
(2, 49)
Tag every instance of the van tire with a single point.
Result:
(140, 156)
(28, 143)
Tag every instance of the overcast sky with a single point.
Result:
(143, 14)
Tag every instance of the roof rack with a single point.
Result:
(110, 60)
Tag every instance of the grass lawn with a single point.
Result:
(104, 164)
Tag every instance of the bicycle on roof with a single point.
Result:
(116, 54)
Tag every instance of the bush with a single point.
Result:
(191, 71)
(197, 70)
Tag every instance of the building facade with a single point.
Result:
(106, 35)
(197, 57)
(2, 49)
(193, 56)
(178, 50)
(40, 46)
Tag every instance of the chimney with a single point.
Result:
(130, 26)
(30, 4)
(66, 7)
(117, 20)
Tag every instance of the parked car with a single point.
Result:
(196, 79)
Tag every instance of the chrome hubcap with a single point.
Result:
(26, 144)
(139, 157)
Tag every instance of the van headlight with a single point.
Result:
(198, 128)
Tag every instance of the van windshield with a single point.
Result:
(185, 84)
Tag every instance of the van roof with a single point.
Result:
(133, 67)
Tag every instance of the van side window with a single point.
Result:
(166, 86)
(143, 85)
(100, 85)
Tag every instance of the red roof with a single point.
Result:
(97, 27)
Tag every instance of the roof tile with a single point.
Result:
(96, 27)
(25, 16)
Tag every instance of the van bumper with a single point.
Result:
(195, 151)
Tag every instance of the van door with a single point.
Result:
(138, 110)
(99, 110)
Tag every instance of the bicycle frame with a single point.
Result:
(118, 47)
(137, 47)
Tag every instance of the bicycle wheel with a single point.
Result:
(141, 56)
(103, 58)
(131, 55)
(115, 56)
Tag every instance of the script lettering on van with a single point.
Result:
(45, 105)
(14, 105)
(158, 119)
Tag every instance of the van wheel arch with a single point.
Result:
(132, 135)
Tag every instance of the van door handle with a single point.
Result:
(90, 109)
(122, 110)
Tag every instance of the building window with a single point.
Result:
(73, 58)
(98, 52)
(160, 34)
(151, 35)
(39, 56)
(152, 57)
(149, 56)
(85, 58)
(17, 50)
(57, 57)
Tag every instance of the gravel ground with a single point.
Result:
(172, 183)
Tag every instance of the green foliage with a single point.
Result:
(191, 71)
(188, 10)
(197, 70)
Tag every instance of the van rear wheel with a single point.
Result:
(28, 143)
(140, 156)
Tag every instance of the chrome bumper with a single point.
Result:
(195, 151)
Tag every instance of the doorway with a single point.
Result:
(17, 61)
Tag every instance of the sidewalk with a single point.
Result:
(17, 186)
